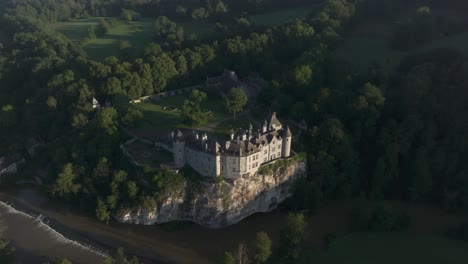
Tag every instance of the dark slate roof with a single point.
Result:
(273, 120)
(241, 148)
(8, 160)
(288, 132)
(209, 144)
(33, 142)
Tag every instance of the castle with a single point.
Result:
(240, 156)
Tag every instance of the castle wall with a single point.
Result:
(179, 154)
(204, 163)
(230, 166)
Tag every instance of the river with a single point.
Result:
(66, 233)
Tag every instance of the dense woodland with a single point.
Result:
(378, 135)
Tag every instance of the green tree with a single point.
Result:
(373, 94)
(113, 86)
(66, 182)
(199, 13)
(120, 258)
(168, 32)
(132, 116)
(423, 11)
(294, 234)
(262, 247)
(192, 109)
(132, 189)
(102, 212)
(129, 15)
(51, 102)
(106, 118)
(91, 34)
(228, 258)
(303, 75)
(235, 101)
(242, 255)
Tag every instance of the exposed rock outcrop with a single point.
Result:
(221, 203)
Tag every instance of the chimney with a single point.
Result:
(232, 134)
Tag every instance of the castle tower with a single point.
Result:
(286, 148)
(179, 150)
(265, 127)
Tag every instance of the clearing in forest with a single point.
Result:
(137, 33)
(165, 114)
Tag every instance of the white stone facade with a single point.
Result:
(237, 157)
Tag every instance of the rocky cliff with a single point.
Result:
(222, 203)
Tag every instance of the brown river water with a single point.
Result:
(42, 229)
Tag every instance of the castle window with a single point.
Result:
(265, 152)
(265, 159)
(279, 146)
(273, 149)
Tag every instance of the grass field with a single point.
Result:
(138, 34)
(155, 117)
(280, 17)
(389, 248)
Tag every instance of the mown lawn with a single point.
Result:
(280, 17)
(137, 33)
(389, 248)
(155, 117)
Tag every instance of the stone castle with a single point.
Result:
(240, 156)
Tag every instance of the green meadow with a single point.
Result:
(137, 33)
(156, 118)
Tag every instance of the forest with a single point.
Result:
(377, 134)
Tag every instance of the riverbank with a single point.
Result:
(190, 243)
(36, 238)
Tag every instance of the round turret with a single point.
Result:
(179, 150)
(286, 148)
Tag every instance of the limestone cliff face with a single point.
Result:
(221, 203)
